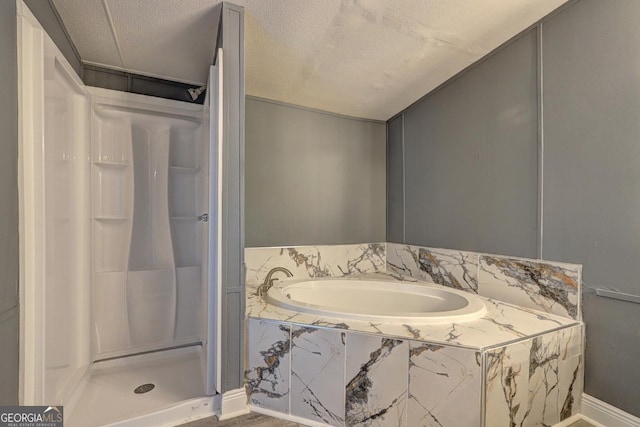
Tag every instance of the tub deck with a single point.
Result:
(503, 323)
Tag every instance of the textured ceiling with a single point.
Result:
(363, 58)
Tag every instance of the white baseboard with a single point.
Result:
(234, 403)
(604, 415)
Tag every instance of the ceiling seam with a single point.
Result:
(113, 31)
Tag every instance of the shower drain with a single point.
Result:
(144, 388)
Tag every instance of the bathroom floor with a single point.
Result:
(109, 396)
(249, 420)
(259, 420)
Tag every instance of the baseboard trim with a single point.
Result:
(233, 404)
(603, 414)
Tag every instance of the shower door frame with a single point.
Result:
(37, 55)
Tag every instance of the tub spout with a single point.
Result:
(268, 281)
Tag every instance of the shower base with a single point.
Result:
(178, 392)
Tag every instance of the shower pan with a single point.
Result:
(120, 202)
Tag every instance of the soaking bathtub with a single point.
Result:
(376, 300)
(373, 349)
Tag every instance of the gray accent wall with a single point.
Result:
(9, 249)
(591, 57)
(516, 153)
(470, 158)
(395, 180)
(312, 177)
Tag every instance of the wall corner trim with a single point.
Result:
(605, 414)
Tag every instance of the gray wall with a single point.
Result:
(9, 250)
(395, 180)
(591, 60)
(312, 177)
(589, 99)
(459, 145)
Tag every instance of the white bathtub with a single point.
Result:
(376, 300)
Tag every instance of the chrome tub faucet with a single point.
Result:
(268, 281)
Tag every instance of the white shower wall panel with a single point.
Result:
(147, 248)
(66, 229)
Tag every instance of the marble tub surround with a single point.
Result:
(313, 261)
(547, 286)
(267, 381)
(376, 381)
(345, 378)
(317, 374)
(442, 380)
(455, 269)
(519, 364)
(535, 382)
(502, 322)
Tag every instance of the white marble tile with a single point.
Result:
(442, 380)
(544, 381)
(267, 376)
(507, 391)
(403, 260)
(317, 374)
(314, 261)
(541, 285)
(455, 269)
(376, 381)
(537, 382)
(571, 371)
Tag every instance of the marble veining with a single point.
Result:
(535, 382)
(455, 269)
(571, 371)
(549, 287)
(443, 379)
(376, 388)
(267, 379)
(314, 261)
(544, 379)
(317, 374)
(507, 384)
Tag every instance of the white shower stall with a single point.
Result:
(120, 239)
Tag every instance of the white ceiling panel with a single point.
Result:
(175, 39)
(88, 25)
(363, 58)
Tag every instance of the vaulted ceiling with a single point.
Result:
(362, 58)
